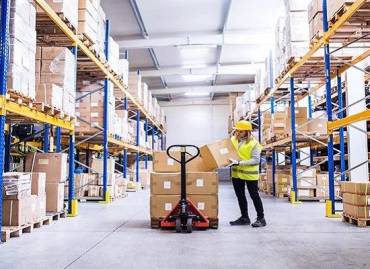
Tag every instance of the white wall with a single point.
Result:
(196, 124)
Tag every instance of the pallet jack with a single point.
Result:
(185, 216)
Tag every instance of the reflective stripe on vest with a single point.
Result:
(246, 172)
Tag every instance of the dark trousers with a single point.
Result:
(252, 186)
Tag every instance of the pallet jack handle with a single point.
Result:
(183, 149)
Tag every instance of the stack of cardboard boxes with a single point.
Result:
(22, 48)
(322, 191)
(69, 9)
(55, 78)
(277, 127)
(306, 182)
(54, 165)
(300, 119)
(201, 181)
(266, 126)
(356, 201)
(282, 180)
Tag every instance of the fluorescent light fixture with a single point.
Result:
(196, 94)
(191, 78)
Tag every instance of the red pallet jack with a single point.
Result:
(185, 216)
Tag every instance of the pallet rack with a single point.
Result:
(319, 70)
(64, 35)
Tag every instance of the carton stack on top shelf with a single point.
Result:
(22, 48)
(68, 8)
(55, 78)
(135, 88)
(202, 181)
(356, 202)
(292, 33)
(54, 165)
(266, 126)
(315, 19)
(278, 127)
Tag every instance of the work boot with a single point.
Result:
(240, 221)
(259, 223)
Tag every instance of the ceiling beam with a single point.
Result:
(230, 69)
(210, 89)
(229, 37)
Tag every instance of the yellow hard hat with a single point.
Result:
(243, 125)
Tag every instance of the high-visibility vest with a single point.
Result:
(246, 172)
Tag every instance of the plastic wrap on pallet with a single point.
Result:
(69, 9)
(134, 87)
(22, 48)
(113, 58)
(123, 69)
(16, 185)
(55, 76)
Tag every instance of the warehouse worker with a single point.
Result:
(246, 172)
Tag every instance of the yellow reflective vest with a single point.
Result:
(245, 172)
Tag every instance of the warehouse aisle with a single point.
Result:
(118, 236)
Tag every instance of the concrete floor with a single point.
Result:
(118, 236)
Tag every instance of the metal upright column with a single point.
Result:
(294, 190)
(8, 142)
(309, 100)
(72, 201)
(46, 142)
(124, 159)
(58, 144)
(153, 132)
(137, 144)
(341, 130)
(4, 59)
(146, 142)
(106, 194)
(272, 104)
(330, 204)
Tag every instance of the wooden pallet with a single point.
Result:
(57, 215)
(8, 232)
(52, 111)
(339, 13)
(19, 98)
(155, 223)
(282, 195)
(38, 223)
(359, 222)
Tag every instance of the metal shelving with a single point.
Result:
(27, 113)
(314, 71)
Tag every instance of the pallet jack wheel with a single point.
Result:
(189, 225)
(178, 225)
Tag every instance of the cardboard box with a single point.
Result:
(16, 212)
(300, 112)
(38, 181)
(196, 183)
(314, 8)
(162, 205)
(16, 185)
(282, 189)
(357, 211)
(355, 199)
(298, 124)
(54, 165)
(335, 5)
(322, 179)
(318, 126)
(355, 188)
(306, 182)
(197, 165)
(163, 163)
(305, 171)
(282, 179)
(40, 207)
(206, 204)
(54, 197)
(217, 155)
(306, 193)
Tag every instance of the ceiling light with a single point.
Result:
(195, 94)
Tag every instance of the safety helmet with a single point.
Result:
(243, 125)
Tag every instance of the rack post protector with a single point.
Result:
(330, 204)
(341, 130)
(4, 59)
(294, 190)
(106, 194)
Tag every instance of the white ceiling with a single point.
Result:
(192, 37)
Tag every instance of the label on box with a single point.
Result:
(200, 182)
(167, 185)
(170, 161)
(43, 161)
(285, 189)
(201, 205)
(284, 179)
(224, 151)
(94, 114)
(168, 206)
(93, 104)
